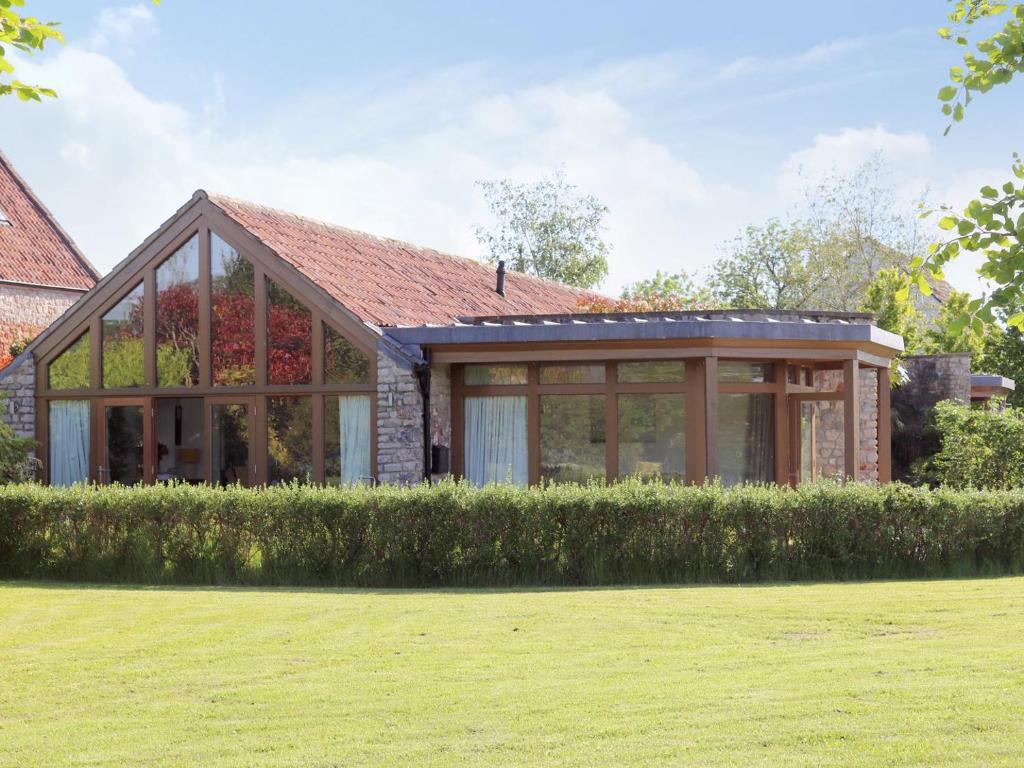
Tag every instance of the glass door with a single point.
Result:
(125, 451)
(232, 428)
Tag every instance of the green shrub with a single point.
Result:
(979, 447)
(454, 535)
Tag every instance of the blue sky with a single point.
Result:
(690, 120)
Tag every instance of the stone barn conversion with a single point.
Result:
(240, 343)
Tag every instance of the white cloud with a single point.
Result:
(123, 27)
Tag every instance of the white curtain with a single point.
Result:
(495, 445)
(354, 423)
(69, 442)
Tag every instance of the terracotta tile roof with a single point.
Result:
(33, 247)
(388, 282)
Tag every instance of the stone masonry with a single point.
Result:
(399, 420)
(18, 386)
(829, 433)
(26, 310)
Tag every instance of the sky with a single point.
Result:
(688, 120)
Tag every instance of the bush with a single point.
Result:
(979, 447)
(453, 535)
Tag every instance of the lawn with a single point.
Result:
(884, 673)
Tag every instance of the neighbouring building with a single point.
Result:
(42, 272)
(241, 343)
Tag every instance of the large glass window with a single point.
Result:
(70, 369)
(572, 438)
(652, 436)
(476, 375)
(347, 439)
(123, 356)
(124, 444)
(289, 338)
(177, 317)
(343, 362)
(495, 444)
(233, 315)
(746, 437)
(289, 439)
(69, 441)
(733, 370)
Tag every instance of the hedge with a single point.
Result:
(453, 535)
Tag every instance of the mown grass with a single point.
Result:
(883, 673)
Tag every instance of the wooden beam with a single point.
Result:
(884, 427)
(711, 416)
(851, 418)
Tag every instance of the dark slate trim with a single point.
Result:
(992, 380)
(647, 331)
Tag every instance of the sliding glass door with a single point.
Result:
(125, 442)
(232, 430)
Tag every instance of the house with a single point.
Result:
(42, 272)
(241, 343)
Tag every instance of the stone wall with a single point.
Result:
(27, 310)
(399, 420)
(830, 436)
(18, 385)
(441, 409)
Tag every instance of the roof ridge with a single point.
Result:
(215, 196)
(50, 219)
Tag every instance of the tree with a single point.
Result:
(547, 229)
(946, 335)
(771, 267)
(1003, 353)
(993, 224)
(664, 286)
(26, 34)
(893, 313)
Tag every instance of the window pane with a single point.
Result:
(746, 438)
(343, 362)
(661, 371)
(179, 438)
(289, 439)
(124, 436)
(123, 357)
(70, 369)
(495, 374)
(572, 374)
(822, 440)
(572, 438)
(230, 444)
(347, 439)
(177, 317)
(233, 315)
(752, 372)
(289, 338)
(652, 436)
(69, 442)
(495, 444)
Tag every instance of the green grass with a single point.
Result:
(884, 673)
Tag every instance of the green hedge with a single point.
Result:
(454, 535)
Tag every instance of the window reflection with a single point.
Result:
(289, 439)
(177, 317)
(289, 338)
(572, 438)
(495, 374)
(70, 369)
(123, 356)
(343, 362)
(652, 436)
(233, 315)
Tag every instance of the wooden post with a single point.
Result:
(884, 428)
(711, 416)
(851, 418)
(781, 423)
